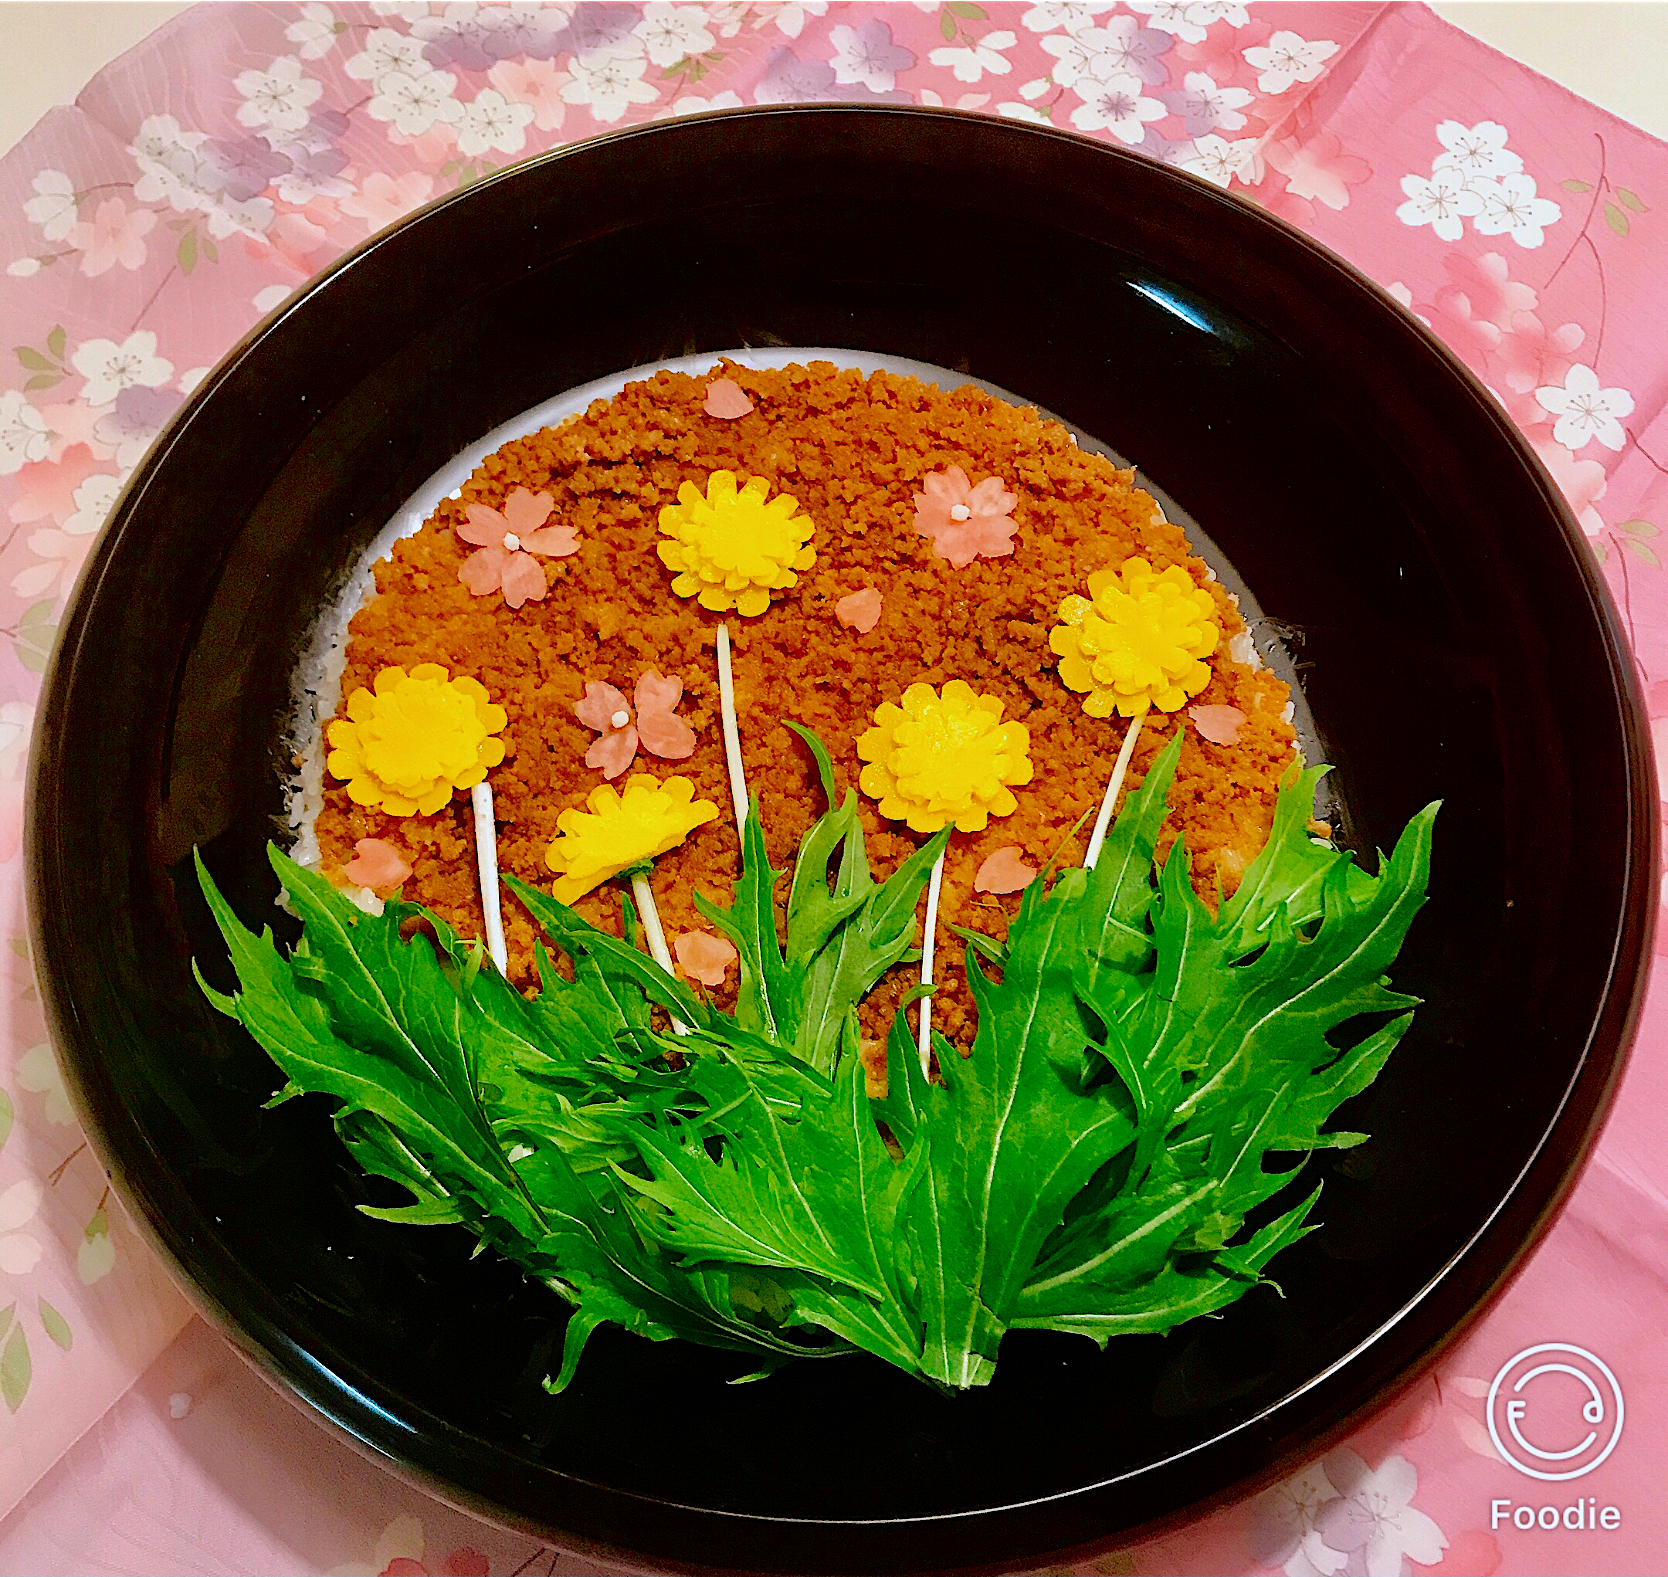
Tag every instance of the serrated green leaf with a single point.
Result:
(56, 1326)
(186, 253)
(1631, 200)
(1576, 186)
(1637, 528)
(15, 1369)
(1616, 219)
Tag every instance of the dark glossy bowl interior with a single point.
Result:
(1451, 635)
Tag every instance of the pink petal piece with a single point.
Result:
(553, 541)
(483, 572)
(600, 703)
(484, 527)
(704, 957)
(377, 865)
(860, 611)
(1219, 724)
(614, 751)
(727, 400)
(1004, 872)
(523, 579)
(525, 512)
(663, 734)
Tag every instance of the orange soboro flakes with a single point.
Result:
(853, 451)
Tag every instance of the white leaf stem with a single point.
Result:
(486, 861)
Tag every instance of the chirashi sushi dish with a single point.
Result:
(811, 863)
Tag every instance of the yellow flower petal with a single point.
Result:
(616, 832)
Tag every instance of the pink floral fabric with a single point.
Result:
(205, 175)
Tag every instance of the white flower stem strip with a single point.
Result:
(654, 935)
(732, 735)
(934, 883)
(1104, 819)
(486, 861)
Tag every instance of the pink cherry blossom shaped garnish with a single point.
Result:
(378, 865)
(963, 521)
(727, 400)
(507, 540)
(704, 956)
(1005, 871)
(646, 719)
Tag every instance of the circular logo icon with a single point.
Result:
(1555, 1411)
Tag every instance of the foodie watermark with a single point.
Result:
(1555, 1412)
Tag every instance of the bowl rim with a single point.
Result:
(1587, 1097)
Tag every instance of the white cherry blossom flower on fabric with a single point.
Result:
(1123, 48)
(109, 368)
(23, 267)
(264, 300)
(113, 235)
(1204, 12)
(1444, 202)
(191, 377)
(407, 11)
(53, 205)
(490, 121)
(964, 101)
(19, 1251)
(1282, 1532)
(1475, 150)
(1072, 15)
(1287, 59)
(23, 433)
(314, 31)
(386, 50)
(1116, 106)
(985, 56)
(608, 85)
(1510, 207)
(381, 199)
(1014, 110)
(1373, 1522)
(174, 166)
(1221, 161)
(1585, 411)
(790, 15)
(671, 33)
(415, 102)
(280, 98)
(253, 218)
(694, 104)
(37, 1069)
(1206, 107)
(867, 55)
(1173, 17)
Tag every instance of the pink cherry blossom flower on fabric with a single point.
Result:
(1582, 482)
(727, 400)
(1219, 724)
(860, 611)
(46, 489)
(61, 555)
(647, 719)
(508, 539)
(1494, 297)
(536, 83)
(1005, 871)
(1318, 168)
(378, 865)
(704, 956)
(963, 521)
(1530, 356)
(381, 199)
(112, 236)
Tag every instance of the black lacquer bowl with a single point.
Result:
(1451, 636)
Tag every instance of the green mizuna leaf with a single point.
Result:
(1112, 1155)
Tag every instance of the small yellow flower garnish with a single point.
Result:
(942, 759)
(621, 831)
(1137, 640)
(419, 737)
(731, 548)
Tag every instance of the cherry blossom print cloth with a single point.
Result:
(204, 176)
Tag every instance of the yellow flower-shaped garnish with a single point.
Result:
(731, 548)
(941, 759)
(1137, 640)
(421, 735)
(616, 832)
